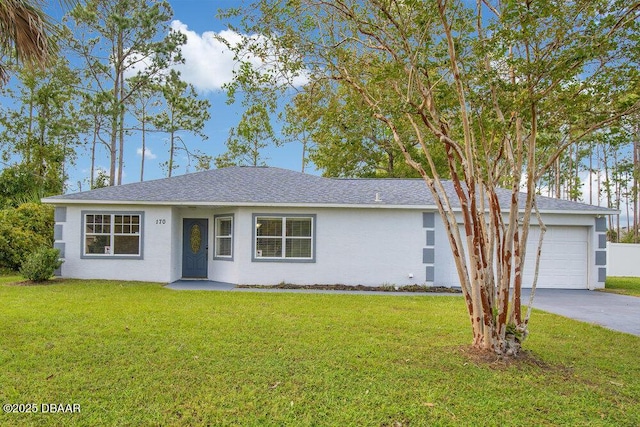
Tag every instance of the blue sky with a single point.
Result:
(207, 67)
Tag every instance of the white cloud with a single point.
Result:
(209, 64)
(138, 65)
(147, 153)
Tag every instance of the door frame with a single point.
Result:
(204, 246)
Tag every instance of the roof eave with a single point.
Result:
(231, 204)
(298, 205)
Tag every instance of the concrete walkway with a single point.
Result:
(616, 312)
(200, 285)
(208, 285)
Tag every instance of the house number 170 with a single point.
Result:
(161, 221)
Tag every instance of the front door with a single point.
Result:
(194, 247)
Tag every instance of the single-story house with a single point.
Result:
(264, 225)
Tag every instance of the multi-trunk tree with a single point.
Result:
(482, 82)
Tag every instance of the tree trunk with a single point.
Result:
(120, 102)
(590, 173)
(304, 154)
(607, 185)
(576, 176)
(636, 175)
(558, 180)
(93, 154)
(113, 148)
(172, 148)
(144, 147)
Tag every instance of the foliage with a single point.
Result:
(343, 139)
(183, 112)
(115, 38)
(26, 35)
(28, 226)
(629, 236)
(142, 104)
(253, 359)
(101, 180)
(248, 139)
(18, 183)
(41, 264)
(40, 129)
(477, 82)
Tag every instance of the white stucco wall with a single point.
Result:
(368, 246)
(353, 246)
(156, 262)
(623, 259)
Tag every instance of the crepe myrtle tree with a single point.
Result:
(481, 80)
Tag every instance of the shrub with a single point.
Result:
(40, 264)
(21, 229)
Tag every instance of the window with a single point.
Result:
(224, 237)
(112, 234)
(286, 238)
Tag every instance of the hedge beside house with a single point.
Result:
(22, 230)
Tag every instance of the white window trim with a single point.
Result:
(112, 233)
(217, 218)
(283, 258)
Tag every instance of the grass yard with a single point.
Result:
(134, 354)
(9, 278)
(623, 285)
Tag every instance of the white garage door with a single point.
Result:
(564, 259)
(563, 263)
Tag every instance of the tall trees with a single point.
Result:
(182, 112)
(342, 140)
(117, 39)
(39, 130)
(123, 51)
(483, 83)
(141, 105)
(248, 139)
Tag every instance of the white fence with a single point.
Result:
(623, 259)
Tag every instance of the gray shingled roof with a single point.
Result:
(262, 186)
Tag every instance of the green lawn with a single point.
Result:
(9, 278)
(623, 285)
(138, 354)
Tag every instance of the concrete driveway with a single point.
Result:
(617, 312)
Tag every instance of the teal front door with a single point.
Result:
(194, 248)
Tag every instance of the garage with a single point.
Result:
(564, 260)
(563, 264)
